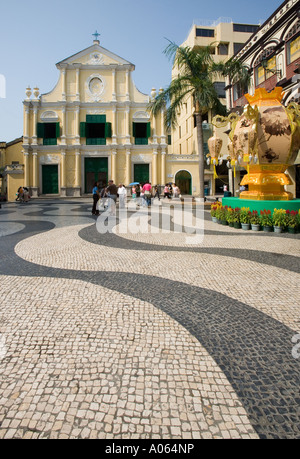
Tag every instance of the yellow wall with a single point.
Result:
(13, 184)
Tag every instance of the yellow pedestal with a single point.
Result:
(267, 183)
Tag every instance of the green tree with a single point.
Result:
(236, 72)
(195, 79)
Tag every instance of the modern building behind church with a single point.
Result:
(93, 126)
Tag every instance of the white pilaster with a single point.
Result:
(77, 84)
(63, 84)
(128, 167)
(114, 95)
(163, 167)
(34, 127)
(127, 128)
(114, 126)
(127, 85)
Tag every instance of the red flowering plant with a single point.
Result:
(292, 218)
(221, 213)
(236, 215)
(214, 207)
(266, 217)
(255, 218)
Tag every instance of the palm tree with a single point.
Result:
(236, 72)
(196, 72)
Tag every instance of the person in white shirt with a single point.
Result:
(122, 193)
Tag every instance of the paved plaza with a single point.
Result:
(125, 335)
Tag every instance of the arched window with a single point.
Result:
(292, 40)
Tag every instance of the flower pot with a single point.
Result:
(267, 229)
(245, 226)
(231, 224)
(237, 225)
(278, 229)
(291, 230)
(255, 227)
(214, 219)
(224, 222)
(219, 221)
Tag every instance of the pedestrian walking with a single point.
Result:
(156, 193)
(112, 193)
(167, 192)
(122, 193)
(147, 189)
(96, 197)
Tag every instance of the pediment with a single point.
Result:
(95, 55)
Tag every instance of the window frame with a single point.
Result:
(288, 53)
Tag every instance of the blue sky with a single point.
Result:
(36, 34)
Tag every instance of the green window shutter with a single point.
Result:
(107, 130)
(96, 141)
(57, 130)
(96, 118)
(82, 129)
(133, 130)
(50, 142)
(40, 130)
(141, 141)
(90, 118)
(148, 130)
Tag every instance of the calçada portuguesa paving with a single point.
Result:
(125, 335)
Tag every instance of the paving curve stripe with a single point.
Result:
(128, 347)
(73, 252)
(252, 349)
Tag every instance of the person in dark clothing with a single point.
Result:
(96, 197)
(156, 192)
(112, 193)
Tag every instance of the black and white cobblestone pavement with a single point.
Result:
(143, 335)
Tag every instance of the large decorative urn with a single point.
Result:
(265, 140)
(214, 145)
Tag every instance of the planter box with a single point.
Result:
(267, 229)
(245, 226)
(255, 227)
(278, 229)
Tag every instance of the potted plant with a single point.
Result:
(245, 218)
(222, 211)
(292, 220)
(221, 214)
(236, 217)
(266, 220)
(230, 216)
(213, 210)
(279, 220)
(255, 221)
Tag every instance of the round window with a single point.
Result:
(96, 86)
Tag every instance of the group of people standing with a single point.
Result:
(101, 194)
(23, 194)
(141, 194)
(171, 191)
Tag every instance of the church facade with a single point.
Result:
(92, 127)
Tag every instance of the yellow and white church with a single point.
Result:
(93, 126)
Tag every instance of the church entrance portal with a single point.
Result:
(183, 180)
(96, 170)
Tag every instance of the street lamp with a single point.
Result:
(264, 63)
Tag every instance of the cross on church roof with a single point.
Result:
(96, 35)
